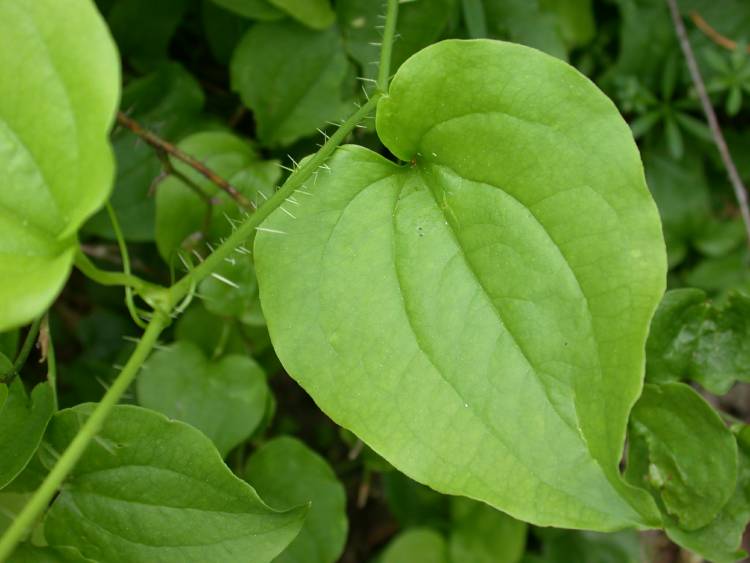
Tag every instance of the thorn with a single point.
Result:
(363, 79)
(103, 443)
(224, 280)
(293, 201)
(287, 212)
(264, 196)
(267, 230)
(303, 192)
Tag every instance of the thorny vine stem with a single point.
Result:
(161, 145)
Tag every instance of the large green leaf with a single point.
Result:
(150, 489)
(287, 473)
(59, 80)
(23, 420)
(478, 316)
(291, 77)
(680, 449)
(225, 398)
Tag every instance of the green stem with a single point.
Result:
(43, 495)
(129, 303)
(105, 277)
(384, 70)
(247, 229)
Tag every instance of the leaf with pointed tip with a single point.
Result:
(225, 398)
(478, 316)
(50, 186)
(151, 489)
(287, 473)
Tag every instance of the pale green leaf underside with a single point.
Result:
(151, 489)
(478, 316)
(56, 161)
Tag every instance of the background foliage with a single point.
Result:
(250, 87)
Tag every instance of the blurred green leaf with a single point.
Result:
(694, 339)
(482, 534)
(418, 25)
(720, 540)
(224, 398)
(167, 101)
(23, 420)
(413, 504)
(316, 14)
(223, 30)
(144, 28)
(287, 474)
(567, 546)
(524, 21)
(691, 465)
(181, 212)
(291, 78)
(416, 544)
(253, 9)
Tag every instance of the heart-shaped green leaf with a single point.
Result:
(225, 399)
(151, 489)
(57, 164)
(478, 315)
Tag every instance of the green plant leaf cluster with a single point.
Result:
(400, 269)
